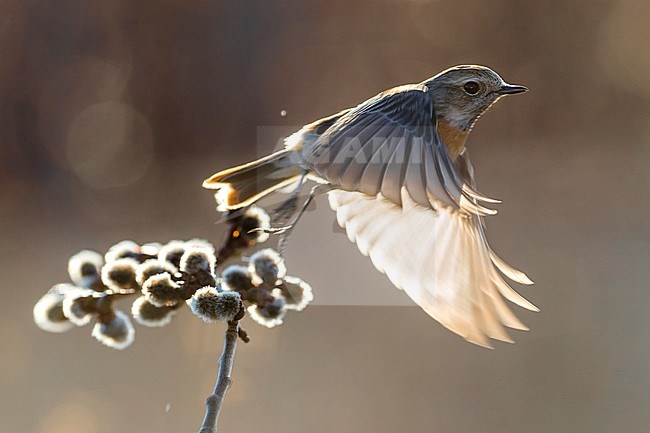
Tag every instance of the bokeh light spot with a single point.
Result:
(109, 144)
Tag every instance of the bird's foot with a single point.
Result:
(273, 230)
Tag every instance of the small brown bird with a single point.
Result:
(402, 186)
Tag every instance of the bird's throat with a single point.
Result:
(453, 137)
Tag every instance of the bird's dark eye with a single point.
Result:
(471, 87)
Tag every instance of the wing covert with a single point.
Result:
(390, 142)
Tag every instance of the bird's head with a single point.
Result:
(462, 93)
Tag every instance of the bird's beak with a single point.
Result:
(511, 89)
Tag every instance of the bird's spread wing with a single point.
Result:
(390, 142)
(440, 258)
(466, 170)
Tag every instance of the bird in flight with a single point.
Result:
(400, 179)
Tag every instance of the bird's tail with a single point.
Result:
(243, 185)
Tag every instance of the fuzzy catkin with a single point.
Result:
(211, 306)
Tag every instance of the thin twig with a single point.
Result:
(214, 401)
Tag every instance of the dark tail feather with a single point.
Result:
(245, 184)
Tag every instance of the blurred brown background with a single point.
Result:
(113, 112)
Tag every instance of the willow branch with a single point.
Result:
(215, 400)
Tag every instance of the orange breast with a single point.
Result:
(452, 137)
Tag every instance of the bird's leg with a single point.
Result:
(282, 213)
(286, 231)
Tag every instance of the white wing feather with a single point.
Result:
(439, 258)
